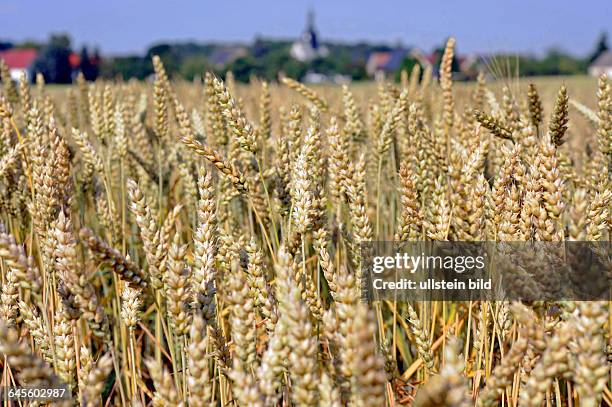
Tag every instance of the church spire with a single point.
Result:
(308, 46)
(310, 34)
(310, 27)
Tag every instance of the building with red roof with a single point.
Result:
(19, 60)
(383, 63)
(377, 61)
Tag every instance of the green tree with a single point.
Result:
(194, 66)
(556, 62)
(439, 52)
(294, 68)
(407, 64)
(53, 60)
(90, 71)
(244, 67)
(167, 54)
(127, 67)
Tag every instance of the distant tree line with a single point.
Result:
(53, 60)
(556, 62)
(264, 59)
(267, 58)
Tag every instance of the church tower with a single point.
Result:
(308, 47)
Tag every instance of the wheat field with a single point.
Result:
(198, 244)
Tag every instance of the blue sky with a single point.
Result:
(125, 26)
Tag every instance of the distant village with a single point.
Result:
(308, 58)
